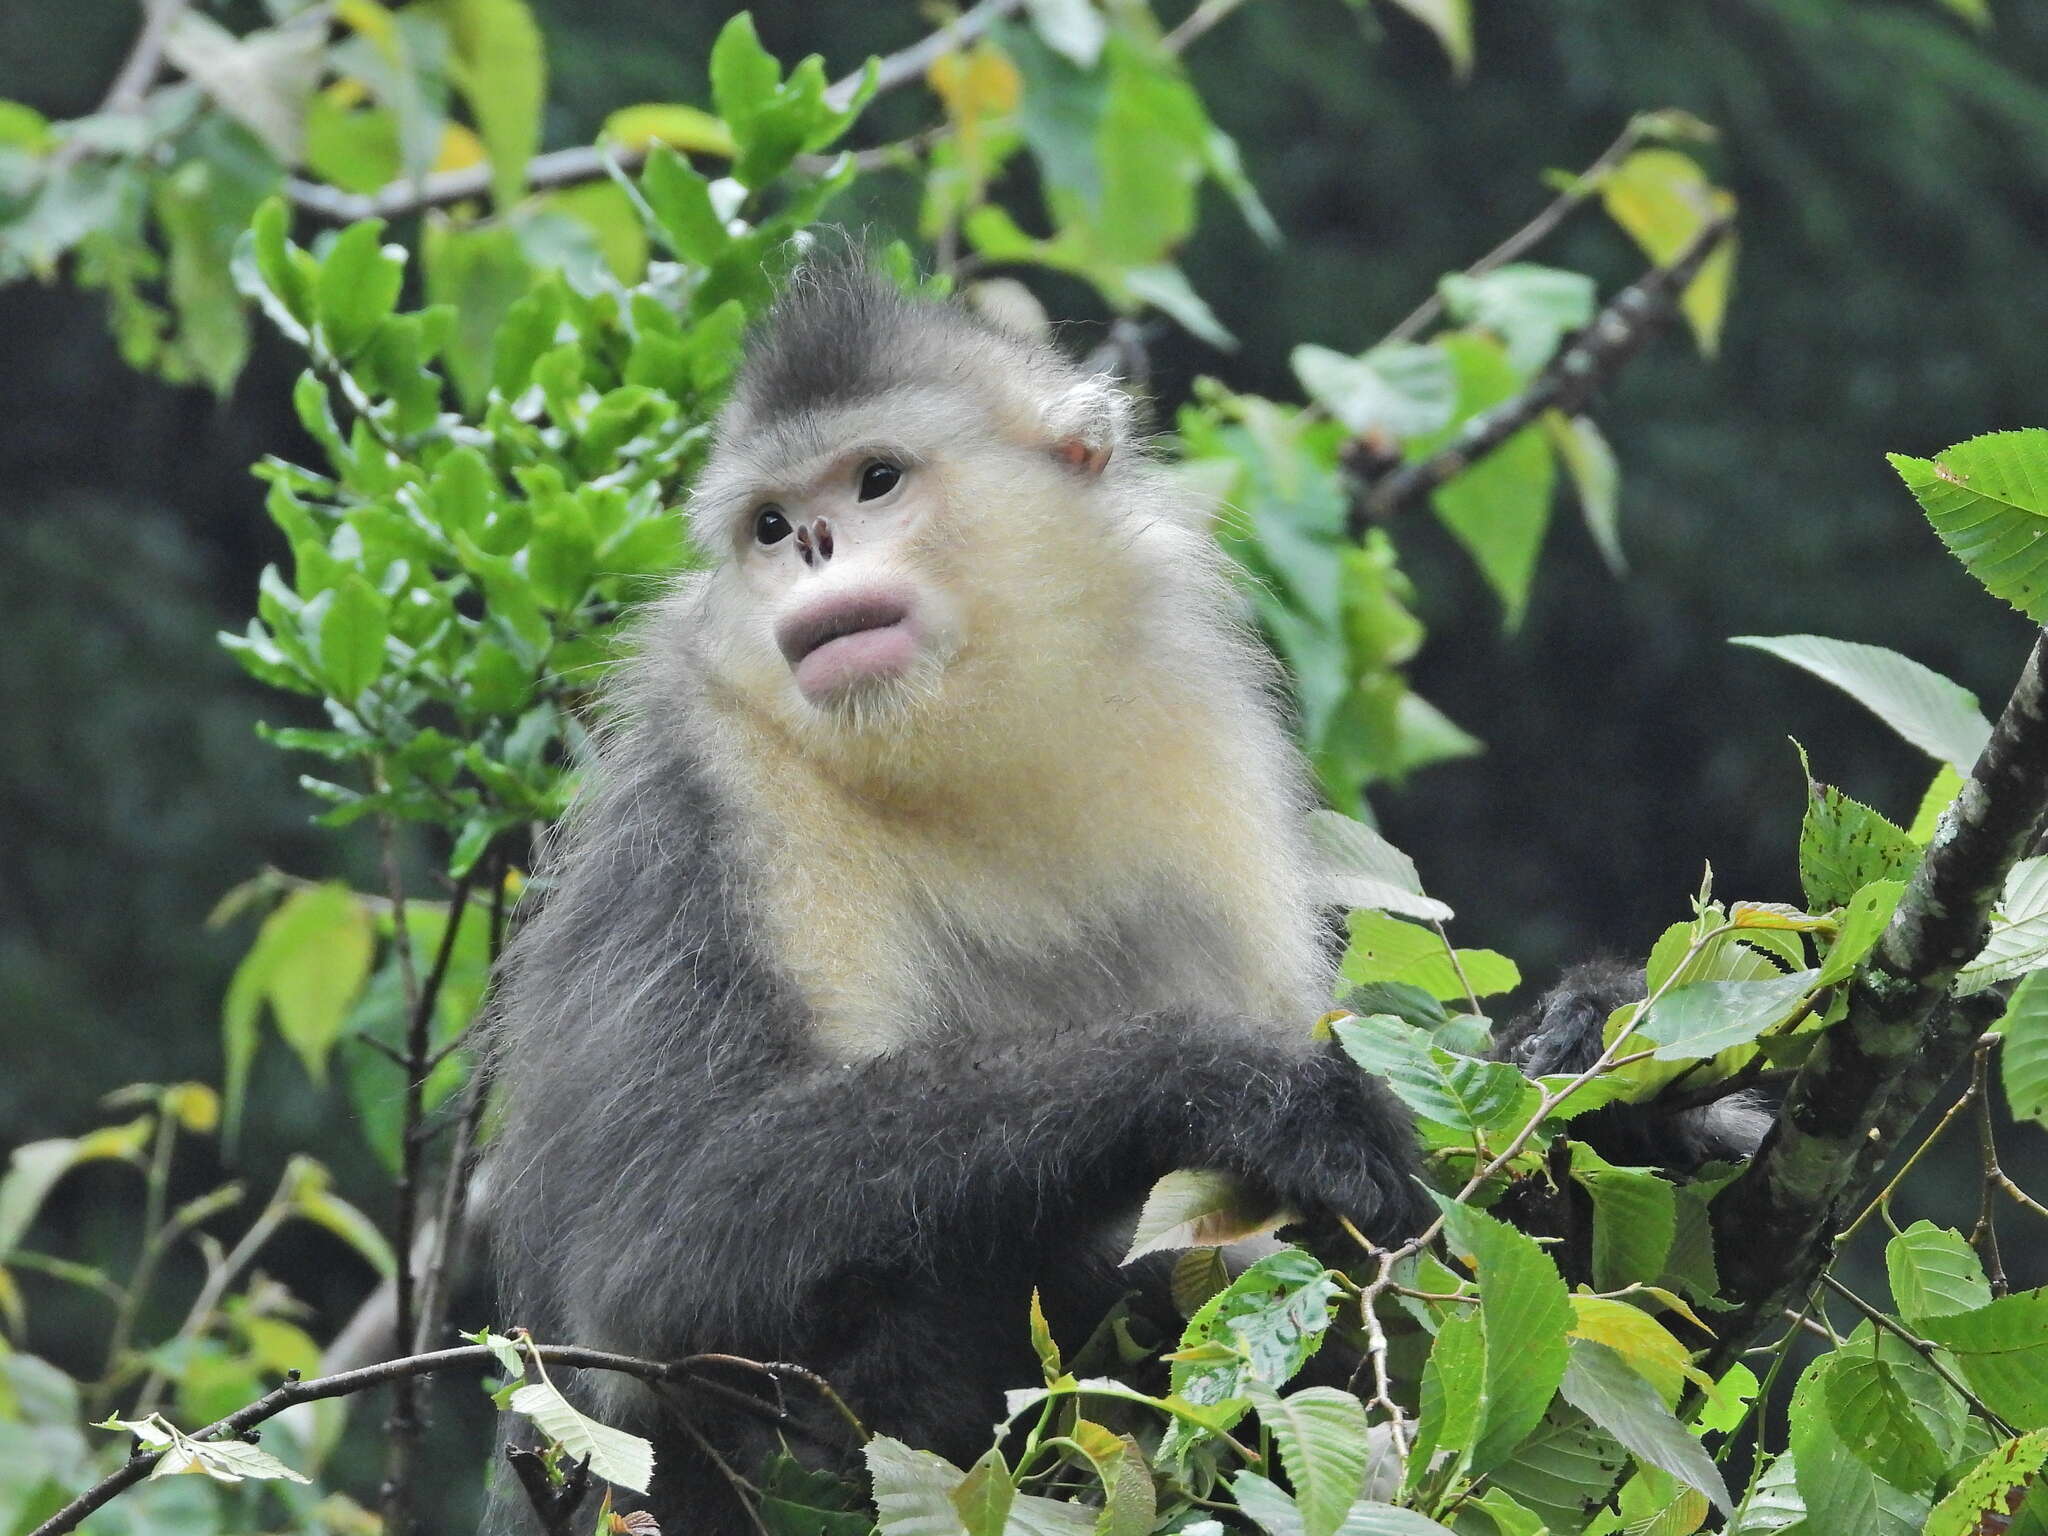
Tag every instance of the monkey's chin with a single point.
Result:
(864, 662)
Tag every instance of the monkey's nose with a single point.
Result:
(814, 544)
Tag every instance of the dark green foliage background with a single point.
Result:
(1893, 172)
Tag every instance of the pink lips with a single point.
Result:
(846, 639)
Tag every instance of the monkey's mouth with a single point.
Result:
(844, 641)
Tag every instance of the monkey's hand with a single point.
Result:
(1314, 1133)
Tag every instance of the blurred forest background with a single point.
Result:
(1892, 167)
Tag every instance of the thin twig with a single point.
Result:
(1984, 1237)
(1884, 1196)
(1567, 381)
(1198, 22)
(593, 162)
(1531, 234)
(408, 1368)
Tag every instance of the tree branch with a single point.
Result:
(592, 162)
(1595, 355)
(410, 1368)
(1902, 1036)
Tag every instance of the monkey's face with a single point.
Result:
(828, 597)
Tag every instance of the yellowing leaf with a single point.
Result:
(1663, 199)
(1639, 1339)
(460, 148)
(980, 83)
(671, 123)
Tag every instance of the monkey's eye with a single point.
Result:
(770, 526)
(878, 479)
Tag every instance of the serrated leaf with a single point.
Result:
(1272, 1319)
(1201, 1208)
(1704, 1017)
(1939, 717)
(1556, 1471)
(1934, 1272)
(1369, 1517)
(1839, 1492)
(1467, 1096)
(1525, 1312)
(1635, 1216)
(2003, 1350)
(913, 1490)
(1453, 1399)
(2023, 1059)
(1988, 501)
(1321, 1434)
(617, 1457)
(1601, 1385)
(1874, 1418)
(1844, 846)
(1984, 1498)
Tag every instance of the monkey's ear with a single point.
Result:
(1085, 424)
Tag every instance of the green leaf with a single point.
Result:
(1368, 1517)
(1528, 307)
(1321, 1434)
(1704, 1017)
(1363, 869)
(615, 1456)
(1840, 1492)
(275, 272)
(984, 1496)
(2003, 1350)
(1983, 1498)
(309, 961)
(1988, 501)
(501, 67)
(1934, 1272)
(1271, 1319)
(2023, 1059)
(1384, 948)
(1525, 1313)
(1201, 1208)
(1453, 1399)
(1939, 717)
(744, 75)
(1499, 507)
(1663, 199)
(681, 202)
(348, 633)
(1845, 845)
(1600, 1384)
(1596, 479)
(1398, 391)
(358, 285)
(1874, 1418)
(1470, 1098)
(1557, 1470)
(1863, 924)
(1635, 1217)
(913, 1490)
